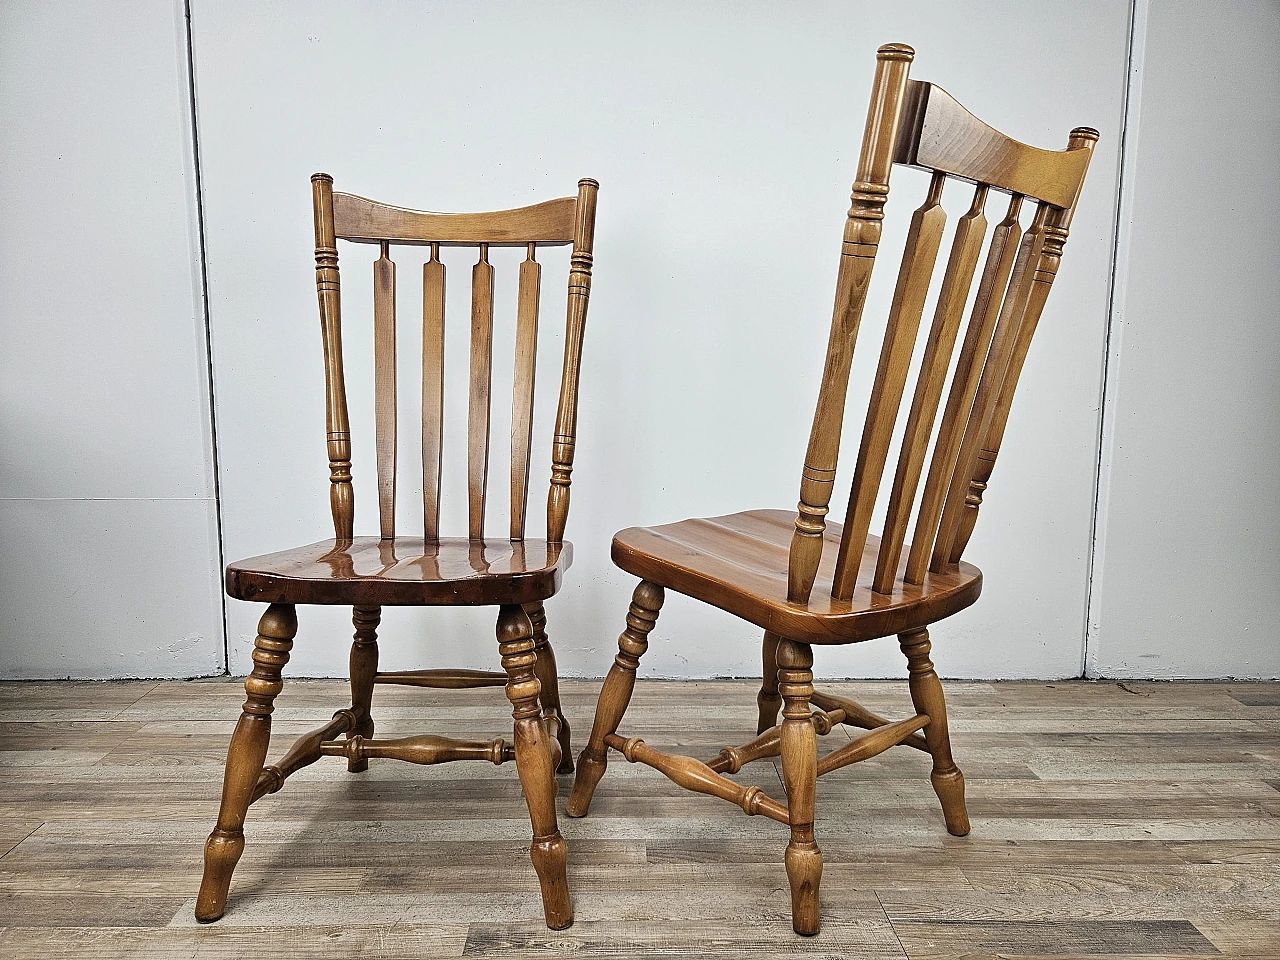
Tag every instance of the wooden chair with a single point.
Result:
(808, 582)
(515, 574)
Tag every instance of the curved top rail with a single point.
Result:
(939, 134)
(367, 221)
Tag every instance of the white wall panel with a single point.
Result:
(109, 547)
(1188, 576)
(725, 138)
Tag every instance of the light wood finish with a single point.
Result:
(923, 239)
(966, 247)
(367, 573)
(939, 134)
(857, 257)
(1135, 820)
(738, 563)
(964, 383)
(807, 581)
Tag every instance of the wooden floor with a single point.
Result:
(1134, 820)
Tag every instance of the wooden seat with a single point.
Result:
(406, 571)
(739, 564)
(807, 581)
(515, 574)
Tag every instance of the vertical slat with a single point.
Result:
(432, 389)
(966, 247)
(964, 383)
(993, 371)
(522, 396)
(384, 387)
(861, 240)
(481, 384)
(566, 431)
(337, 426)
(918, 259)
(992, 430)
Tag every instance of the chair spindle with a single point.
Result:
(432, 389)
(1044, 269)
(966, 248)
(964, 384)
(523, 390)
(923, 240)
(384, 387)
(481, 384)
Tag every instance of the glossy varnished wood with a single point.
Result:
(405, 571)
(738, 563)
(1108, 821)
(807, 581)
(368, 573)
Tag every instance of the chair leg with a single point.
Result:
(926, 694)
(615, 694)
(800, 776)
(245, 757)
(533, 762)
(768, 699)
(545, 667)
(364, 664)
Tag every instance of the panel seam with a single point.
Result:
(202, 254)
(1113, 336)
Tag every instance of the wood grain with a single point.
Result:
(478, 406)
(362, 867)
(384, 388)
(523, 389)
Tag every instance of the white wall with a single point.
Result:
(109, 565)
(1188, 578)
(725, 137)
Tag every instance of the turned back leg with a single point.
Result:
(364, 665)
(615, 694)
(245, 757)
(768, 700)
(926, 694)
(545, 667)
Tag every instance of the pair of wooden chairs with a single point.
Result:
(800, 579)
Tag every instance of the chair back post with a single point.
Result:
(990, 423)
(861, 241)
(575, 326)
(337, 425)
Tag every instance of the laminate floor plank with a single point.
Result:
(1135, 820)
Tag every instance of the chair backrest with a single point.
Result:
(919, 124)
(343, 216)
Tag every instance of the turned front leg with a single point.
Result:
(926, 694)
(800, 776)
(615, 695)
(364, 666)
(768, 700)
(245, 757)
(534, 763)
(545, 668)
